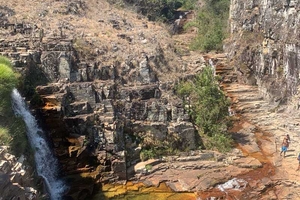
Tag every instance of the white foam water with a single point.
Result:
(235, 184)
(46, 163)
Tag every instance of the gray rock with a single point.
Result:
(266, 35)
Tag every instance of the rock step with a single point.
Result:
(224, 72)
(221, 72)
(259, 120)
(241, 90)
(272, 124)
(198, 165)
(250, 99)
(248, 106)
(254, 111)
(236, 86)
(265, 124)
(221, 67)
(84, 117)
(258, 115)
(229, 80)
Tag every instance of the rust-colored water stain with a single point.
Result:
(252, 177)
(139, 191)
(50, 106)
(163, 192)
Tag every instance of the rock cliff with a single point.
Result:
(264, 45)
(102, 85)
(101, 82)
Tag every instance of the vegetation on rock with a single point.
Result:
(211, 22)
(162, 10)
(208, 107)
(8, 80)
(211, 18)
(12, 128)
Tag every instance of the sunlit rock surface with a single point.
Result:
(264, 45)
(15, 177)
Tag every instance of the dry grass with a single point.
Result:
(94, 24)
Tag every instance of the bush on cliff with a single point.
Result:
(8, 81)
(156, 10)
(211, 22)
(208, 108)
(12, 128)
(211, 17)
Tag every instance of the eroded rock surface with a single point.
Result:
(264, 46)
(15, 177)
(105, 87)
(102, 85)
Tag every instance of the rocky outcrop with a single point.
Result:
(102, 86)
(15, 178)
(264, 126)
(102, 89)
(100, 116)
(191, 172)
(264, 46)
(104, 116)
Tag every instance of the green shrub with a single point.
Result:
(12, 128)
(185, 88)
(188, 4)
(84, 48)
(221, 142)
(8, 80)
(5, 138)
(147, 154)
(149, 167)
(208, 107)
(211, 22)
(157, 151)
(5, 61)
(155, 10)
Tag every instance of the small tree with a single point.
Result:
(211, 105)
(208, 107)
(211, 22)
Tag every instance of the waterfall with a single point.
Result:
(46, 163)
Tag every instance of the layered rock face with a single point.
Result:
(90, 112)
(105, 85)
(15, 177)
(264, 45)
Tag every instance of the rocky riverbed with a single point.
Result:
(258, 130)
(100, 83)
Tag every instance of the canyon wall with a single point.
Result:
(101, 86)
(102, 83)
(264, 45)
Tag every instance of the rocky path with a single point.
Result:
(258, 131)
(271, 123)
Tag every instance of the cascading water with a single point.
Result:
(46, 163)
